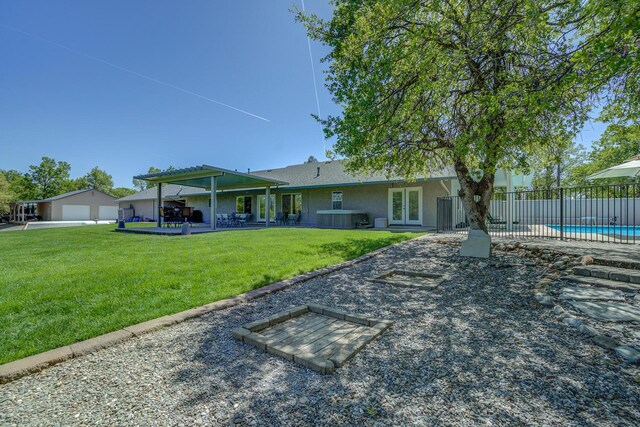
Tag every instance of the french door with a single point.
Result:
(405, 206)
(262, 208)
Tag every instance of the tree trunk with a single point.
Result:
(475, 196)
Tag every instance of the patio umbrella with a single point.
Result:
(630, 168)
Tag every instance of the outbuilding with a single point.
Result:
(80, 205)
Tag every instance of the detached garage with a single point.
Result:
(81, 205)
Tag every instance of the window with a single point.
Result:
(291, 203)
(243, 204)
(336, 200)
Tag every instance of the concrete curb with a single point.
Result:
(19, 368)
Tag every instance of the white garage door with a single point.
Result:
(76, 212)
(108, 212)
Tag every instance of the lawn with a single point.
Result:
(59, 286)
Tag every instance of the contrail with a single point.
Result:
(315, 85)
(135, 73)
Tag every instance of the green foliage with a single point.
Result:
(59, 286)
(474, 85)
(99, 179)
(141, 185)
(611, 61)
(49, 177)
(20, 186)
(617, 144)
(76, 184)
(557, 159)
(120, 192)
(6, 194)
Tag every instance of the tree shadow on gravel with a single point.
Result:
(476, 351)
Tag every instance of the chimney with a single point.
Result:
(318, 174)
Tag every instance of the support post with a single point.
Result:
(510, 201)
(159, 212)
(267, 206)
(213, 203)
(561, 195)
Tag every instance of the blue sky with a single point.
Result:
(248, 54)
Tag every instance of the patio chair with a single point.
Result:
(279, 218)
(187, 213)
(234, 220)
(221, 220)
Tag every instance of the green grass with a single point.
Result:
(59, 286)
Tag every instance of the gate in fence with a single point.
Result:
(608, 213)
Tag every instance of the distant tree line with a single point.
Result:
(50, 178)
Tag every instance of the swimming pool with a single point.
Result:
(609, 230)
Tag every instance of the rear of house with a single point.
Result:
(318, 191)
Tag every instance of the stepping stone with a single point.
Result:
(608, 311)
(629, 354)
(604, 283)
(411, 279)
(317, 337)
(591, 294)
(605, 342)
(611, 273)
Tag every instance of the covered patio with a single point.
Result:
(211, 178)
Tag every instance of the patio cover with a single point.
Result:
(213, 179)
(200, 176)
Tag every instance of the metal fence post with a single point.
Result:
(561, 213)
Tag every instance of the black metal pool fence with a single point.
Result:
(607, 213)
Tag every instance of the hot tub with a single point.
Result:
(340, 218)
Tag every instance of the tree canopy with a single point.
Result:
(476, 85)
(50, 178)
(617, 144)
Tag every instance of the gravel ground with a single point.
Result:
(479, 350)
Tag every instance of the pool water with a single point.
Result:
(617, 230)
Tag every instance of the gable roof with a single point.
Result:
(65, 195)
(333, 173)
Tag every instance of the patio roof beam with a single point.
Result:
(200, 176)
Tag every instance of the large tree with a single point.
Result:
(613, 56)
(476, 85)
(49, 177)
(99, 179)
(6, 195)
(617, 144)
(20, 185)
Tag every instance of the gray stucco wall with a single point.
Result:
(372, 199)
(142, 208)
(93, 198)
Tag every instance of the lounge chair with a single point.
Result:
(494, 221)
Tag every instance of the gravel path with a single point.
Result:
(479, 350)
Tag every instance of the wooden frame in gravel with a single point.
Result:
(334, 355)
(384, 279)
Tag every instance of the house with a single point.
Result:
(313, 189)
(321, 192)
(80, 205)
